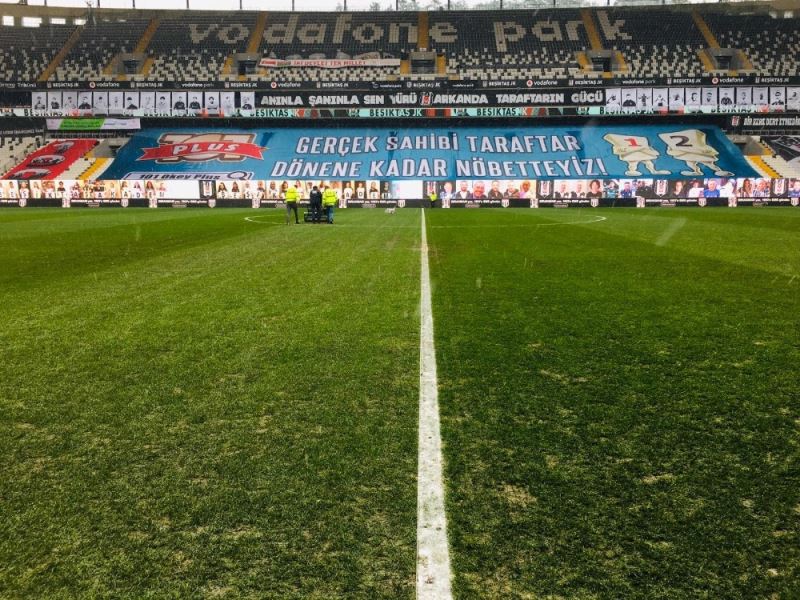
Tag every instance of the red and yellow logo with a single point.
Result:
(191, 147)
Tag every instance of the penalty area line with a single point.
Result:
(433, 554)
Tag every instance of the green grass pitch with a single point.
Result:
(196, 405)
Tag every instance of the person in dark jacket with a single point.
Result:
(315, 197)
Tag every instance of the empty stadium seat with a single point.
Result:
(305, 34)
(196, 48)
(653, 42)
(14, 149)
(772, 45)
(477, 44)
(510, 45)
(301, 74)
(25, 52)
(98, 44)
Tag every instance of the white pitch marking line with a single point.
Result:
(433, 554)
(253, 220)
(595, 219)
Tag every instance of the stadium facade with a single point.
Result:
(537, 107)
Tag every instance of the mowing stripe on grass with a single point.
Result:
(433, 555)
(594, 219)
(670, 231)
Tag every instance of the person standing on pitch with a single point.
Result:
(329, 201)
(316, 204)
(291, 203)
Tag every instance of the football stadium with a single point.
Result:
(462, 300)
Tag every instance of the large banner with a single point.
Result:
(785, 146)
(472, 193)
(199, 102)
(50, 161)
(541, 153)
(333, 100)
(90, 124)
(330, 63)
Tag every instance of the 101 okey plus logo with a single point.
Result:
(191, 147)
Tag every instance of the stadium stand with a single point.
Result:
(14, 149)
(25, 52)
(80, 166)
(510, 45)
(197, 48)
(552, 43)
(781, 167)
(773, 159)
(763, 169)
(301, 74)
(97, 46)
(95, 169)
(772, 45)
(479, 44)
(668, 49)
(338, 35)
(52, 159)
(102, 156)
(785, 146)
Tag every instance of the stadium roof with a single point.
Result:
(374, 5)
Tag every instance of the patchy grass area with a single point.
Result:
(620, 401)
(192, 405)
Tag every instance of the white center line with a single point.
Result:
(433, 554)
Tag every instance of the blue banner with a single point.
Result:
(433, 154)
